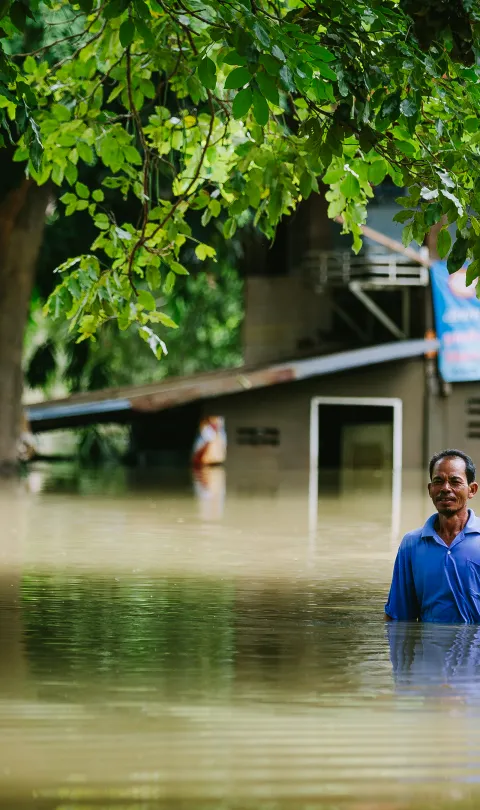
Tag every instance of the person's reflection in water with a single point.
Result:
(437, 661)
(209, 485)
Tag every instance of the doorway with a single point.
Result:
(350, 437)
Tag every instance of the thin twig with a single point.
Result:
(202, 19)
(64, 39)
(104, 77)
(182, 26)
(47, 47)
(168, 78)
(74, 55)
(143, 239)
(146, 166)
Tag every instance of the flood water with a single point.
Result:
(201, 644)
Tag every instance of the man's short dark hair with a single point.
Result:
(469, 465)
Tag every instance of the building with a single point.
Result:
(338, 371)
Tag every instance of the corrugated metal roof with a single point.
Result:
(175, 391)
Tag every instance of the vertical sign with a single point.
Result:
(457, 321)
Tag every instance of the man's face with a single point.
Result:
(449, 488)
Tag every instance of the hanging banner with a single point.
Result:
(457, 321)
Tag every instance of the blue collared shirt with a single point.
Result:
(433, 582)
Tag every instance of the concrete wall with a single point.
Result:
(282, 318)
(455, 421)
(286, 408)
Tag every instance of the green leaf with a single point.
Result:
(473, 272)
(403, 216)
(389, 110)
(153, 277)
(57, 174)
(71, 173)
(18, 16)
(88, 324)
(85, 152)
(377, 172)
(179, 269)
(82, 191)
(35, 153)
(145, 32)
(234, 58)
(98, 195)
(433, 214)
(68, 198)
(261, 35)
(146, 299)
(203, 252)
(444, 240)
(286, 76)
(207, 73)
(260, 109)
(321, 53)
(278, 53)
(237, 78)
(271, 65)
(409, 107)
(206, 217)
(60, 112)
(275, 204)
(127, 33)
(165, 320)
(305, 184)
(229, 228)
(215, 207)
(405, 147)
(268, 88)
(102, 221)
(122, 233)
(326, 71)
(169, 282)
(407, 235)
(458, 254)
(29, 65)
(350, 186)
(115, 8)
(333, 176)
(242, 103)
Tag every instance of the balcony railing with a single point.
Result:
(373, 268)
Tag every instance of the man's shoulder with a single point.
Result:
(411, 539)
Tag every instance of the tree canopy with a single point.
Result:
(237, 109)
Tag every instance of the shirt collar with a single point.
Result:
(472, 525)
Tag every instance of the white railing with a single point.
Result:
(373, 268)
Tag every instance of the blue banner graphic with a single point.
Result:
(457, 321)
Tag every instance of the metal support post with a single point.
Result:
(356, 288)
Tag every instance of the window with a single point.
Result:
(255, 436)
(473, 418)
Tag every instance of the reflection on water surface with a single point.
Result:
(169, 643)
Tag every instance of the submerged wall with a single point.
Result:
(279, 417)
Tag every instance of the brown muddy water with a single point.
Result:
(169, 642)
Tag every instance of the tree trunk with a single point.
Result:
(22, 217)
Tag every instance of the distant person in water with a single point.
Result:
(436, 577)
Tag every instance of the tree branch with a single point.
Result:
(142, 240)
(145, 168)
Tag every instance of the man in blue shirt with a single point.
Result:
(436, 577)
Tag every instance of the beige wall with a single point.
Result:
(279, 314)
(453, 419)
(287, 408)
